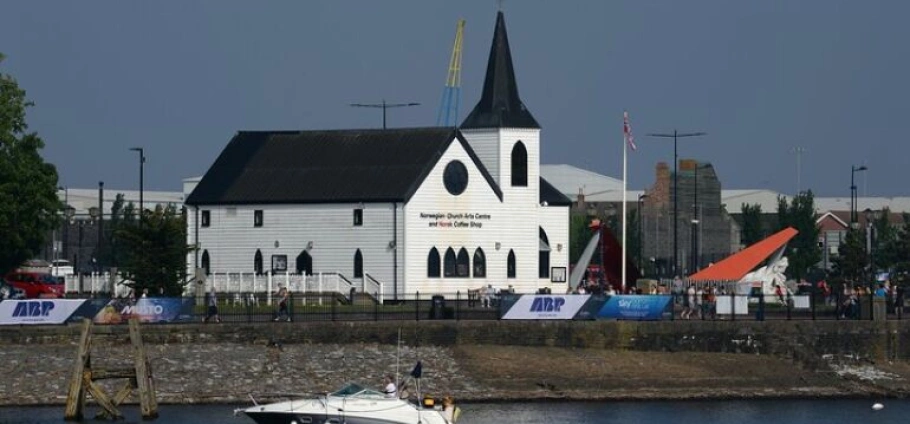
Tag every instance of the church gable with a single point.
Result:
(458, 173)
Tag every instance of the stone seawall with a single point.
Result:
(476, 360)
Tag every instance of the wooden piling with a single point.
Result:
(75, 398)
(147, 399)
(139, 379)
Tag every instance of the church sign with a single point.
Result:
(455, 220)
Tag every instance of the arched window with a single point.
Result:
(544, 255)
(464, 264)
(358, 264)
(519, 165)
(304, 263)
(433, 263)
(206, 262)
(510, 265)
(480, 264)
(448, 268)
(257, 262)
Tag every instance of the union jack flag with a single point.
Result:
(627, 131)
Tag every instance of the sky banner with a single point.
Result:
(37, 311)
(636, 307)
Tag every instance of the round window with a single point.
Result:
(455, 177)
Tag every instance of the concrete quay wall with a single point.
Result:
(477, 360)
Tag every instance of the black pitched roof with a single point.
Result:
(499, 105)
(551, 195)
(327, 166)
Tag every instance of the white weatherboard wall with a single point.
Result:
(485, 143)
(231, 239)
(555, 221)
(514, 226)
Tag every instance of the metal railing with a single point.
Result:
(339, 306)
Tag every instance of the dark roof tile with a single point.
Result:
(259, 167)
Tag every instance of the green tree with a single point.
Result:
(902, 251)
(803, 251)
(884, 242)
(851, 260)
(633, 241)
(752, 227)
(152, 250)
(29, 206)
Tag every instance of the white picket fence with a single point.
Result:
(237, 283)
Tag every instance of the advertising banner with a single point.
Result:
(726, 306)
(153, 309)
(37, 311)
(637, 307)
(545, 306)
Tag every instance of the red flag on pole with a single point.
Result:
(627, 131)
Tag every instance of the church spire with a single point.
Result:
(499, 105)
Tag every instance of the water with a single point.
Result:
(689, 412)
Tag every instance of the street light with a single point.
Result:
(676, 135)
(384, 106)
(64, 227)
(871, 218)
(695, 208)
(853, 170)
(100, 223)
(141, 182)
(641, 242)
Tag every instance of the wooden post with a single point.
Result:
(148, 403)
(75, 398)
(108, 407)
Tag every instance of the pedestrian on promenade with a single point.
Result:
(282, 306)
(212, 302)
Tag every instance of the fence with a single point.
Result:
(334, 306)
(238, 283)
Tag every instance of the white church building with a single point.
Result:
(428, 210)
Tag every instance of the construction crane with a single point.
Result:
(451, 95)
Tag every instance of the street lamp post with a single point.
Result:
(694, 235)
(100, 222)
(871, 219)
(141, 182)
(799, 153)
(641, 241)
(853, 170)
(384, 106)
(675, 136)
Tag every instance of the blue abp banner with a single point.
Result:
(636, 307)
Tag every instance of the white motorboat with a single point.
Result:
(353, 404)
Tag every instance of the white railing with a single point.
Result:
(238, 282)
(96, 283)
(372, 286)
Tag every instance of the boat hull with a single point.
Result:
(272, 417)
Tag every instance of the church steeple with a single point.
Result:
(499, 105)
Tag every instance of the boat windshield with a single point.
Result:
(356, 390)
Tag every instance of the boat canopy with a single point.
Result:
(353, 390)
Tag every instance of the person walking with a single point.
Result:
(282, 305)
(212, 302)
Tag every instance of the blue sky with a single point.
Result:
(179, 78)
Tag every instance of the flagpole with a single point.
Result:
(625, 152)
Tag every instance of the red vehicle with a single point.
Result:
(36, 284)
